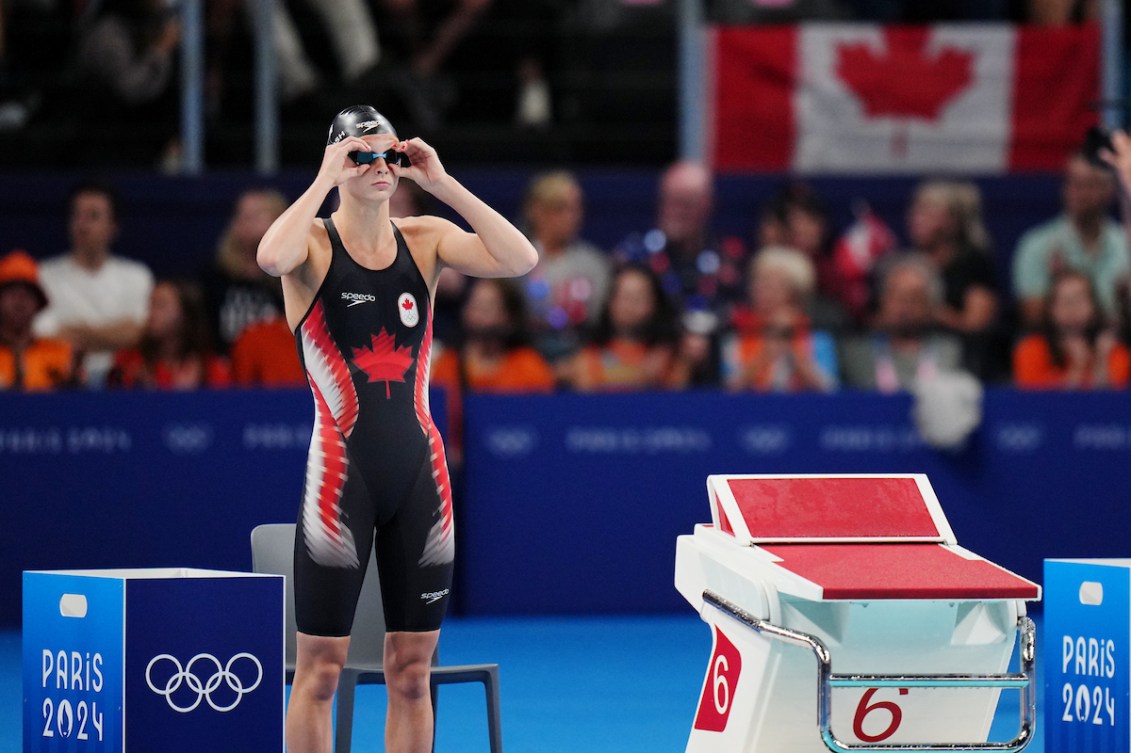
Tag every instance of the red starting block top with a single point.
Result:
(858, 537)
(828, 508)
(865, 572)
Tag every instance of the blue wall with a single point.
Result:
(569, 503)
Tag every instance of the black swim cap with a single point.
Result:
(359, 120)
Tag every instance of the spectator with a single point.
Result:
(1061, 12)
(797, 218)
(27, 363)
(31, 33)
(904, 349)
(350, 30)
(565, 290)
(430, 39)
(774, 348)
(347, 24)
(97, 301)
(698, 270)
(265, 355)
(1083, 239)
(1119, 157)
(738, 12)
(174, 352)
(1075, 349)
(944, 222)
(237, 292)
(859, 250)
(494, 354)
(124, 71)
(633, 346)
(698, 353)
(245, 305)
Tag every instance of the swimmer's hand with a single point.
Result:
(337, 167)
(426, 169)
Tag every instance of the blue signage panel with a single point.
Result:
(204, 664)
(1087, 641)
(72, 663)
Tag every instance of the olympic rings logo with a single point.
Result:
(203, 688)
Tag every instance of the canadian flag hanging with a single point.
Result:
(835, 98)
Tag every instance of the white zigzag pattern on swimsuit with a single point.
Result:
(440, 546)
(335, 413)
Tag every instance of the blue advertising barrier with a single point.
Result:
(171, 660)
(573, 503)
(132, 480)
(568, 503)
(147, 479)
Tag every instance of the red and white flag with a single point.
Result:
(833, 98)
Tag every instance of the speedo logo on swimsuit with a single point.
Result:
(356, 298)
(432, 597)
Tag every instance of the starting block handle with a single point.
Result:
(1015, 681)
(1025, 681)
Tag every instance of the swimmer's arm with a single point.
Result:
(496, 248)
(286, 244)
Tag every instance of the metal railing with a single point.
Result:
(192, 88)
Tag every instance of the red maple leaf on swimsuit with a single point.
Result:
(384, 361)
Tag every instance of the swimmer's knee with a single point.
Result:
(319, 664)
(408, 663)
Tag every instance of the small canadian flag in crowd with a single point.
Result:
(839, 98)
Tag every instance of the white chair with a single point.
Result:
(272, 551)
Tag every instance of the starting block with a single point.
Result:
(845, 617)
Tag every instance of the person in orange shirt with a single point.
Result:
(494, 354)
(1076, 349)
(28, 363)
(634, 344)
(175, 352)
(264, 355)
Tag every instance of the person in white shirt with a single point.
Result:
(98, 300)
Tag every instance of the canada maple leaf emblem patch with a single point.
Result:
(383, 361)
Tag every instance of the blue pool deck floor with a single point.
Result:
(568, 684)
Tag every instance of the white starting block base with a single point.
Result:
(758, 696)
(913, 608)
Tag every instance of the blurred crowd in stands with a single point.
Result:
(800, 306)
(577, 81)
